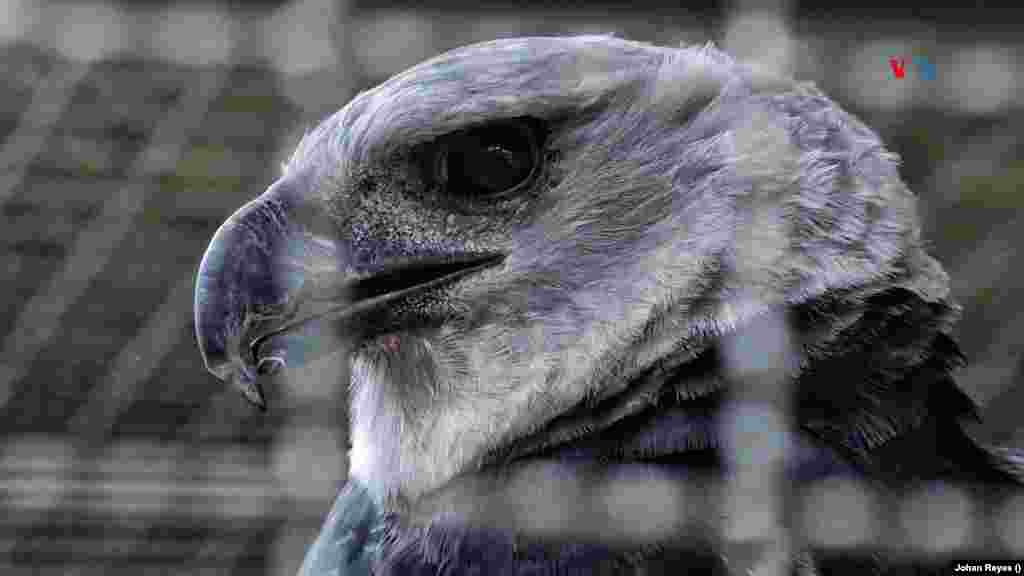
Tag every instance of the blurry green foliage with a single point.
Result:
(249, 103)
(984, 200)
(202, 169)
(90, 168)
(1001, 191)
(208, 166)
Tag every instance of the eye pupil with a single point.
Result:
(493, 168)
(487, 161)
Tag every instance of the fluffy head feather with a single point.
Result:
(680, 197)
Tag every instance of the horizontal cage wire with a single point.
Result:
(129, 132)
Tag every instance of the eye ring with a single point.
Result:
(490, 162)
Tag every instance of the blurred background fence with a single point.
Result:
(129, 131)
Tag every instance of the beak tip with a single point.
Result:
(254, 394)
(250, 388)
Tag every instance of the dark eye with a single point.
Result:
(487, 161)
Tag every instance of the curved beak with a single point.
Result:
(274, 274)
(237, 283)
(262, 265)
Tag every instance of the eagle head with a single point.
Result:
(533, 249)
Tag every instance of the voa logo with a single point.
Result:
(925, 69)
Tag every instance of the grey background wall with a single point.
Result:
(129, 131)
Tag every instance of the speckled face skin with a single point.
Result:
(677, 197)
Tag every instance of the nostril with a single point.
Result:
(271, 365)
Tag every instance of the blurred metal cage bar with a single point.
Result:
(49, 99)
(45, 479)
(41, 317)
(89, 484)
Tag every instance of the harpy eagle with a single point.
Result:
(534, 249)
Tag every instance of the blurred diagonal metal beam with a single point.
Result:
(39, 320)
(48, 101)
(135, 364)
